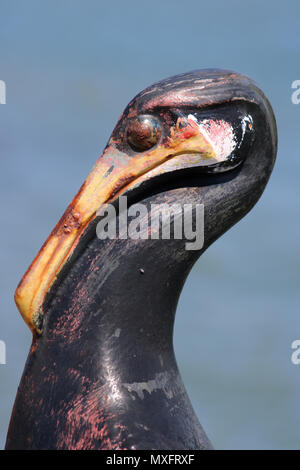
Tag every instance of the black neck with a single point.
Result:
(104, 372)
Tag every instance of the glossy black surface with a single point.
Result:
(103, 374)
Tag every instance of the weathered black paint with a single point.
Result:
(108, 327)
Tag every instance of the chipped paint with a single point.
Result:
(160, 382)
(117, 332)
(221, 136)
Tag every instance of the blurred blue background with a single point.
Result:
(70, 68)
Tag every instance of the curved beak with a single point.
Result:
(113, 173)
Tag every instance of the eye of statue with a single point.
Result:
(143, 132)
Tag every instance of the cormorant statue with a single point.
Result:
(101, 372)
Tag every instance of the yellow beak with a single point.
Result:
(113, 173)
